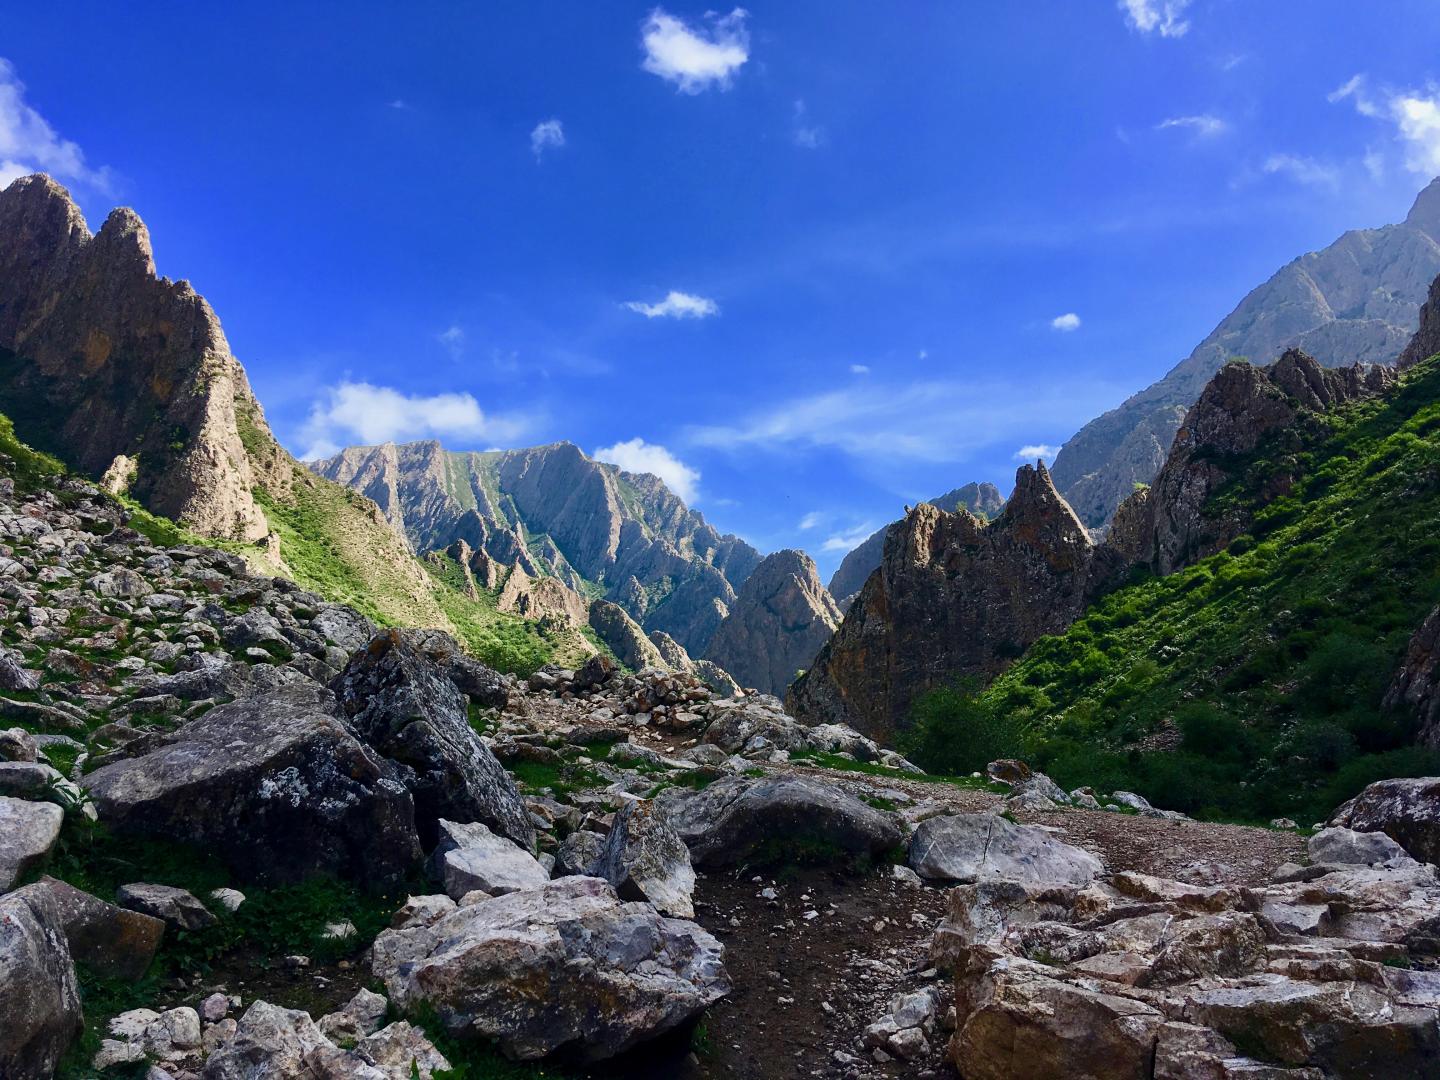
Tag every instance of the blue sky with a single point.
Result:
(809, 261)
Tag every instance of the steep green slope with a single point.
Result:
(1248, 685)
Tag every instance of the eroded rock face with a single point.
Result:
(738, 817)
(1407, 810)
(645, 859)
(954, 595)
(275, 784)
(778, 622)
(397, 694)
(564, 967)
(39, 997)
(1415, 689)
(122, 362)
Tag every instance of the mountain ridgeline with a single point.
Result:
(555, 511)
(1356, 301)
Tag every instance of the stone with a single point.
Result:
(176, 907)
(645, 859)
(39, 995)
(28, 832)
(275, 785)
(783, 818)
(228, 899)
(215, 1008)
(578, 853)
(421, 911)
(470, 857)
(397, 695)
(1348, 847)
(566, 964)
(362, 1015)
(1407, 810)
(108, 939)
(17, 744)
(983, 912)
(981, 847)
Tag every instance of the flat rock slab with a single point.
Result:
(987, 847)
(28, 831)
(471, 857)
(175, 907)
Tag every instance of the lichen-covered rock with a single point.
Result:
(645, 859)
(780, 819)
(566, 966)
(108, 939)
(275, 785)
(987, 847)
(1406, 810)
(39, 996)
(398, 696)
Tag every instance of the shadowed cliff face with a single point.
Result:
(780, 620)
(555, 511)
(954, 595)
(99, 357)
(1356, 301)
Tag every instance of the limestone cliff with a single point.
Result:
(557, 512)
(99, 358)
(1356, 301)
(954, 595)
(778, 623)
(983, 500)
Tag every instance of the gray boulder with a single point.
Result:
(106, 938)
(39, 997)
(645, 859)
(986, 847)
(1346, 847)
(398, 696)
(1408, 811)
(28, 831)
(776, 818)
(275, 785)
(175, 907)
(578, 853)
(471, 857)
(567, 965)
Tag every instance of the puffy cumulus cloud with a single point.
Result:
(695, 56)
(29, 144)
(850, 539)
(677, 305)
(359, 412)
(1065, 323)
(638, 456)
(1163, 17)
(1042, 451)
(1203, 125)
(548, 135)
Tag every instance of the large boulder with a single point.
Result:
(398, 696)
(776, 818)
(1346, 847)
(988, 847)
(645, 859)
(565, 966)
(1407, 810)
(471, 857)
(275, 785)
(108, 939)
(28, 831)
(39, 997)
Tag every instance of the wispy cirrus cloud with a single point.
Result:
(1413, 114)
(1203, 125)
(28, 143)
(849, 539)
(695, 56)
(677, 305)
(1163, 17)
(548, 135)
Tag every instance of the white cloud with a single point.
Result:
(453, 338)
(1204, 125)
(1355, 89)
(638, 456)
(676, 305)
(859, 369)
(1303, 170)
(850, 539)
(805, 134)
(548, 135)
(1165, 17)
(692, 56)
(1037, 450)
(812, 520)
(1415, 115)
(362, 413)
(1065, 323)
(29, 144)
(398, 103)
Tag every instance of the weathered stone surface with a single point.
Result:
(39, 997)
(781, 818)
(624, 636)
(1415, 688)
(1407, 810)
(563, 966)
(1348, 847)
(470, 857)
(578, 853)
(28, 831)
(781, 617)
(645, 859)
(542, 599)
(109, 939)
(987, 847)
(175, 907)
(275, 785)
(397, 695)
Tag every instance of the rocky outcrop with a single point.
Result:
(1406, 810)
(101, 358)
(545, 600)
(1354, 302)
(1415, 689)
(1426, 342)
(778, 622)
(566, 965)
(982, 500)
(954, 595)
(624, 636)
(560, 514)
(986, 847)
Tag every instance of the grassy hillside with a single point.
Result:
(1250, 684)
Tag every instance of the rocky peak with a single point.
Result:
(779, 621)
(1425, 212)
(1426, 342)
(1037, 515)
